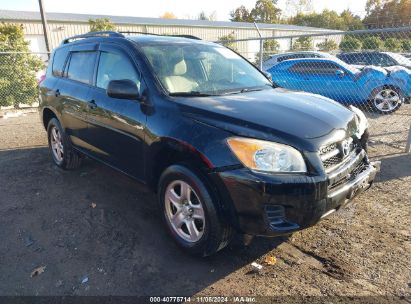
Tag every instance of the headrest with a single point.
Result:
(180, 68)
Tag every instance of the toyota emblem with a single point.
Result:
(345, 147)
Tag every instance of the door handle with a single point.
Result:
(57, 93)
(92, 104)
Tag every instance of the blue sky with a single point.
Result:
(155, 8)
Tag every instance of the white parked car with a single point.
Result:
(277, 58)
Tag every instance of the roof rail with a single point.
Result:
(93, 34)
(143, 33)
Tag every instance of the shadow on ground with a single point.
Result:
(120, 245)
(395, 167)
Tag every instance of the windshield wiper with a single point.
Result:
(191, 94)
(245, 90)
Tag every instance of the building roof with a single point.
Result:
(7, 15)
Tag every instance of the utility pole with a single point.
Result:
(45, 27)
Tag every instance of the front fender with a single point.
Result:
(175, 138)
(401, 77)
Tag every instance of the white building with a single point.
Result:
(63, 25)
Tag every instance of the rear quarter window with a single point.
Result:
(59, 59)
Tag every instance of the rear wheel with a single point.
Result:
(386, 100)
(191, 212)
(60, 146)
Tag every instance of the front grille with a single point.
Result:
(349, 177)
(333, 154)
(331, 162)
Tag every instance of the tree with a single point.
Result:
(406, 45)
(327, 45)
(266, 11)
(352, 22)
(349, 44)
(393, 44)
(211, 17)
(372, 5)
(270, 47)
(18, 83)
(241, 14)
(202, 16)
(328, 19)
(303, 44)
(294, 7)
(227, 41)
(387, 13)
(372, 43)
(168, 15)
(101, 24)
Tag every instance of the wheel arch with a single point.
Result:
(47, 115)
(170, 151)
(386, 86)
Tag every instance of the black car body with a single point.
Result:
(381, 59)
(158, 137)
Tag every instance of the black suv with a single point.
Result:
(206, 130)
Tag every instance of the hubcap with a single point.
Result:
(184, 211)
(56, 144)
(387, 100)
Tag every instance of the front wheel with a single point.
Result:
(60, 146)
(386, 100)
(191, 212)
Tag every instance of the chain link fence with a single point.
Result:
(370, 69)
(20, 73)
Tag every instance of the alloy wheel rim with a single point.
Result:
(184, 211)
(387, 100)
(56, 144)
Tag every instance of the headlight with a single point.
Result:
(267, 156)
(362, 121)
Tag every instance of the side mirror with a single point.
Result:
(340, 73)
(123, 89)
(268, 76)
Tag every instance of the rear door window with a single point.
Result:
(81, 66)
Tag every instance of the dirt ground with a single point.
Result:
(120, 247)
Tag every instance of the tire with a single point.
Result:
(380, 99)
(213, 232)
(62, 152)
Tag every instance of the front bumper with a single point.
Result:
(278, 204)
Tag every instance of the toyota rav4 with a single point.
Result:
(224, 149)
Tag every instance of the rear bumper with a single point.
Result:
(272, 205)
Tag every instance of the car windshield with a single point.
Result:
(346, 66)
(202, 70)
(400, 59)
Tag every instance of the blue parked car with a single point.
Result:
(385, 90)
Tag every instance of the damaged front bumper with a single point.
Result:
(278, 204)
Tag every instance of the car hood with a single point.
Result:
(294, 118)
(383, 70)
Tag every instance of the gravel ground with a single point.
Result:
(98, 232)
